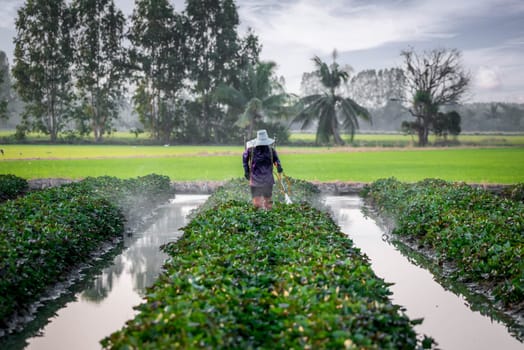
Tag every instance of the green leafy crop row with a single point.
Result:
(11, 186)
(514, 192)
(480, 234)
(243, 278)
(45, 234)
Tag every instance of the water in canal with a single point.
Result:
(107, 302)
(447, 318)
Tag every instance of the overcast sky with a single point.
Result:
(371, 33)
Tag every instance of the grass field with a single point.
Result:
(472, 165)
(400, 140)
(362, 140)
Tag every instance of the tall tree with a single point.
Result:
(332, 111)
(433, 79)
(99, 58)
(159, 58)
(447, 124)
(42, 64)
(259, 97)
(5, 86)
(214, 51)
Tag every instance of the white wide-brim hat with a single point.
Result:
(261, 140)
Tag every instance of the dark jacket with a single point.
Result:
(258, 163)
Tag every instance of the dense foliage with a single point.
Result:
(286, 278)
(5, 85)
(11, 186)
(330, 109)
(42, 64)
(479, 234)
(258, 98)
(47, 233)
(514, 192)
(99, 73)
(433, 79)
(71, 68)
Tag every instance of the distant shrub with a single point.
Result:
(11, 186)
(514, 192)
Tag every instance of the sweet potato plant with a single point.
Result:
(242, 278)
(480, 235)
(45, 234)
(11, 186)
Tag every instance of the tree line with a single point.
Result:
(191, 76)
(75, 61)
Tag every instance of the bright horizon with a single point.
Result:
(370, 35)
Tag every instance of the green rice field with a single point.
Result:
(472, 165)
(362, 140)
(400, 140)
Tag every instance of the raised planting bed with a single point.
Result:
(286, 278)
(46, 234)
(475, 236)
(12, 186)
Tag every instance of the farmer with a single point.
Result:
(258, 160)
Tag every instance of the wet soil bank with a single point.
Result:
(333, 188)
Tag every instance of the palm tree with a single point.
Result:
(332, 111)
(259, 96)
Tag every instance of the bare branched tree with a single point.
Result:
(433, 79)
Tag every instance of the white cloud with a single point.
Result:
(293, 32)
(498, 71)
(344, 24)
(487, 78)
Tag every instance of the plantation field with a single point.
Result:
(472, 165)
(360, 140)
(117, 137)
(400, 140)
(112, 151)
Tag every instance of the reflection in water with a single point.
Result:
(447, 318)
(108, 301)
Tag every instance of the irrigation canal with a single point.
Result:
(107, 301)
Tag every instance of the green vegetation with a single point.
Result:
(514, 192)
(295, 139)
(43, 235)
(328, 108)
(166, 52)
(243, 278)
(258, 97)
(47, 233)
(469, 165)
(100, 151)
(478, 234)
(500, 165)
(11, 186)
(401, 140)
(433, 79)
